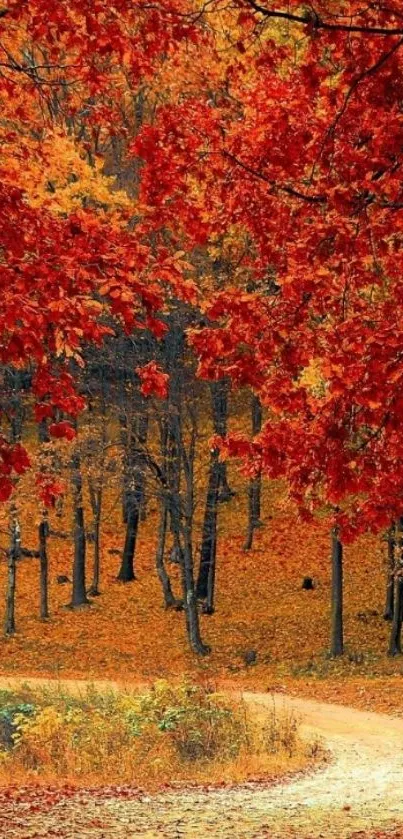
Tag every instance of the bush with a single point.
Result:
(199, 724)
(11, 712)
(169, 733)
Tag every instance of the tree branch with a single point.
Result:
(311, 18)
(289, 190)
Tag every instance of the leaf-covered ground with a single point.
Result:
(126, 633)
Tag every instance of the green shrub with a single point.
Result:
(10, 713)
(198, 723)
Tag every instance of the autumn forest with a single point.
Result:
(201, 407)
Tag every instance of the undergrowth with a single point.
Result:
(167, 734)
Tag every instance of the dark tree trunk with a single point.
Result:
(43, 533)
(189, 597)
(16, 422)
(219, 403)
(134, 499)
(181, 459)
(208, 551)
(96, 496)
(173, 467)
(395, 643)
(337, 641)
(255, 484)
(165, 507)
(96, 491)
(79, 594)
(169, 598)
(389, 603)
(13, 556)
(126, 572)
(218, 490)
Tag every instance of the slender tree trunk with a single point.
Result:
(96, 492)
(219, 402)
(43, 532)
(165, 506)
(13, 556)
(337, 641)
(126, 572)
(174, 465)
(16, 422)
(181, 457)
(218, 490)
(208, 551)
(96, 497)
(395, 643)
(390, 588)
(134, 498)
(255, 484)
(186, 549)
(169, 599)
(79, 594)
(189, 596)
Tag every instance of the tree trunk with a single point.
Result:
(79, 594)
(181, 509)
(395, 644)
(96, 505)
(43, 532)
(218, 490)
(255, 484)
(189, 597)
(134, 499)
(390, 588)
(219, 401)
(13, 556)
(169, 598)
(337, 643)
(126, 572)
(208, 551)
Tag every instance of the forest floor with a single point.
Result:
(260, 607)
(357, 793)
(125, 636)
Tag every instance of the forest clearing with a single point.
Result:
(201, 408)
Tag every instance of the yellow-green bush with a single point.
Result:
(165, 734)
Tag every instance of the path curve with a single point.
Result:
(360, 789)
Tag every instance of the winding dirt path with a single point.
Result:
(360, 789)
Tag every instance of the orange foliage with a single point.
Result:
(127, 635)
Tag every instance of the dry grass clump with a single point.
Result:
(168, 734)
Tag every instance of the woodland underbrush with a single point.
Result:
(165, 735)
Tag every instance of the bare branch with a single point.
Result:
(289, 190)
(312, 19)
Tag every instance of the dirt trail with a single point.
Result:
(361, 788)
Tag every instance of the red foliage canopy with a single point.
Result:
(301, 149)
